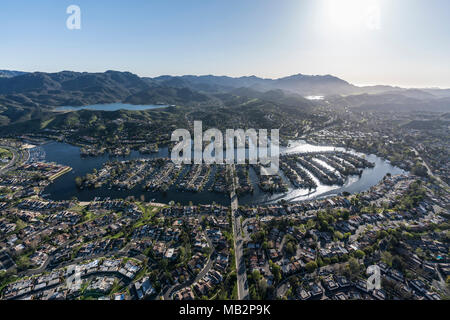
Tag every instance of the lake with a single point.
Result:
(112, 107)
(353, 184)
(64, 187)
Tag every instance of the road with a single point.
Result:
(168, 294)
(12, 162)
(241, 271)
(112, 254)
(430, 173)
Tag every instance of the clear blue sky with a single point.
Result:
(402, 42)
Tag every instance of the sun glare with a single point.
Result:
(351, 14)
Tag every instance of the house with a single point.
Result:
(329, 283)
(342, 281)
(303, 294)
(316, 290)
(379, 294)
(340, 296)
(144, 288)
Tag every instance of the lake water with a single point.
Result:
(64, 187)
(314, 97)
(353, 184)
(112, 107)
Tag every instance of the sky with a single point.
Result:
(396, 42)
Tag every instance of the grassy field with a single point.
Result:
(5, 154)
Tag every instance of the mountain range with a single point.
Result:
(298, 84)
(10, 73)
(24, 95)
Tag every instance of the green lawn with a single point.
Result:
(148, 212)
(5, 154)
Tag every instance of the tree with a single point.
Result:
(419, 170)
(345, 214)
(290, 248)
(338, 235)
(262, 288)
(359, 254)
(311, 266)
(386, 257)
(320, 262)
(276, 271)
(397, 263)
(354, 267)
(78, 181)
(164, 264)
(256, 275)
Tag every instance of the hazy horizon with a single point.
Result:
(240, 76)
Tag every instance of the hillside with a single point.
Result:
(299, 84)
(26, 96)
(392, 102)
(10, 73)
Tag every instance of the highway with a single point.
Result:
(238, 245)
